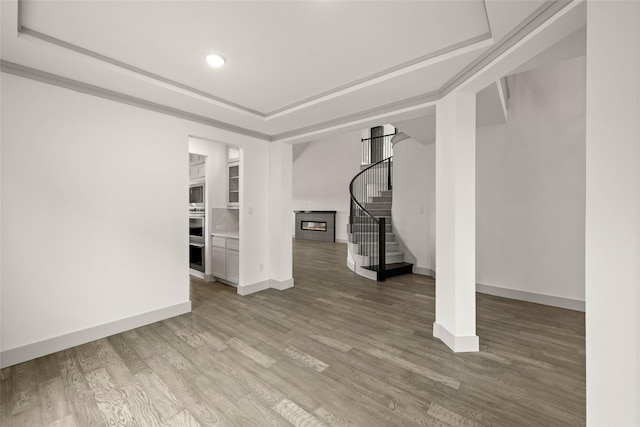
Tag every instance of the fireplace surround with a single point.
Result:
(316, 225)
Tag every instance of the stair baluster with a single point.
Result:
(367, 229)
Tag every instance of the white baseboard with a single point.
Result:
(196, 273)
(351, 264)
(459, 344)
(254, 287)
(265, 284)
(342, 241)
(551, 300)
(282, 285)
(424, 271)
(41, 348)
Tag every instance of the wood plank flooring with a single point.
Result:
(336, 350)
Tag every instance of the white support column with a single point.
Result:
(612, 235)
(455, 321)
(281, 215)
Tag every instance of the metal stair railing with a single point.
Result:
(367, 230)
(376, 148)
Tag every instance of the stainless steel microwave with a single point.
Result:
(196, 195)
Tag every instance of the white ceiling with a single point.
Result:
(292, 67)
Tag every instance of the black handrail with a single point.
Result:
(351, 187)
(357, 210)
(383, 148)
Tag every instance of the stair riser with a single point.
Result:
(377, 206)
(373, 260)
(368, 220)
(367, 227)
(381, 199)
(353, 240)
(360, 236)
(399, 271)
(360, 249)
(380, 212)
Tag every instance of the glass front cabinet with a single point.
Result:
(233, 197)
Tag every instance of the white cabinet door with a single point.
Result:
(197, 167)
(197, 171)
(219, 242)
(219, 262)
(233, 266)
(233, 184)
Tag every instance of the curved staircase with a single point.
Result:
(370, 226)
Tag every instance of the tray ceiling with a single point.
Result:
(292, 66)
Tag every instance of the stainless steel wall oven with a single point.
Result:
(196, 256)
(197, 221)
(196, 228)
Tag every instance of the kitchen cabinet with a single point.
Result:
(233, 184)
(233, 266)
(197, 167)
(226, 258)
(233, 154)
(219, 262)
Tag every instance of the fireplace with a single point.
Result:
(316, 225)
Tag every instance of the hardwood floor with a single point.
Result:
(336, 350)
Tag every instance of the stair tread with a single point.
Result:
(387, 243)
(371, 232)
(390, 267)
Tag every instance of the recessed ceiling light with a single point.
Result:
(216, 60)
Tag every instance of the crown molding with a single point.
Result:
(406, 105)
(355, 121)
(532, 22)
(45, 77)
(475, 43)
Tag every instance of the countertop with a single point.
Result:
(228, 234)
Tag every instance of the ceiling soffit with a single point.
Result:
(480, 43)
(289, 52)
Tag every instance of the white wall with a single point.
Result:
(414, 202)
(531, 187)
(530, 182)
(92, 219)
(94, 234)
(613, 214)
(321, 177)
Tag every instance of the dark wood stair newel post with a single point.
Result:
(382, 249)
